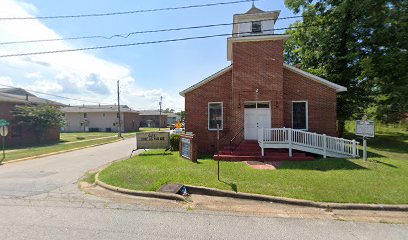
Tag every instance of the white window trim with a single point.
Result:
(222, 116)
(257, 102)
(307, 114)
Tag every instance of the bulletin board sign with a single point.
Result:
(153, 140)
(186, 148)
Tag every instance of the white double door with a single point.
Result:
(254, 119)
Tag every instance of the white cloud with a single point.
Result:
(30, 8)
(34, 75)
(45, 87)
(75, 74)
(6, 81)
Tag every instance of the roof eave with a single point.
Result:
(323, 81)
(206, 80)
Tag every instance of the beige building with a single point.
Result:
(100, 118)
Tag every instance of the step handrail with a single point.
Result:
(236, 135)
(321, 143)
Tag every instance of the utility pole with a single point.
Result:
(160, 103)
(119, 121)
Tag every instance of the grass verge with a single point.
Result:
(381, 180)
(40, 150)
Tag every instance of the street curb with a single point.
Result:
(168, 196)
(290, 201)
(59, 152)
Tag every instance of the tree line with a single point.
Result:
(359, 44)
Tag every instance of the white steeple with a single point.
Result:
(254, 22)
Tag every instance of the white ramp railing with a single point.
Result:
(306, 141)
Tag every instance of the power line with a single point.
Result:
(126, 35)
(135, 44)
(127, 12)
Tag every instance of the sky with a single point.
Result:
(146, 72)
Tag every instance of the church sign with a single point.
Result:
(186, 148)
(153, 140)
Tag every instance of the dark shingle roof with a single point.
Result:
(19, 95)
(254, 10)
(96, 108)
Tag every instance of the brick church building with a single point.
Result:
(258, 90)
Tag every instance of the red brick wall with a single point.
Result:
(131, 121)
(321, 102)
(27, 136)
(196, 106)
(258, 65)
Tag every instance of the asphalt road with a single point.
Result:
(39, 199)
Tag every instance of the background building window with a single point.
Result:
(299, 115)
(85, 115)
(215, 116)
(256, 27)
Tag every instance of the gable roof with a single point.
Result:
(97, 108)
(310, 76)
(151, 113)
(315, 78)
(19, 95)
(199, 84)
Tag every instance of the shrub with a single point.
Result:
(174, 142)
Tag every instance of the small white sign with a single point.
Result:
(3, 131)
(365, 128)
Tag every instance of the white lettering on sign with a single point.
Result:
(153, 140)
(365, 128)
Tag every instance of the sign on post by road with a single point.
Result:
(153, 140)
(4, 122)
(366, 129)
(3, 134)
(3, 131)
(178, 125)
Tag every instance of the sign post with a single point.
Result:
(3, 134)
(218, 148)
(366, 129)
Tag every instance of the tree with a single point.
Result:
(40, 118)
(353, 43)
(168, 110)
(182, 115)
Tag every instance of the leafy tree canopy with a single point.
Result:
(361, 45)
(39, 118)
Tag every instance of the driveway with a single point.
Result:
(39, 199)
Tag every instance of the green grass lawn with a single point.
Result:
(75, 137)
(70, 141)
(40, 150)
(146, 129)
(382, 179)
(83, 136)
